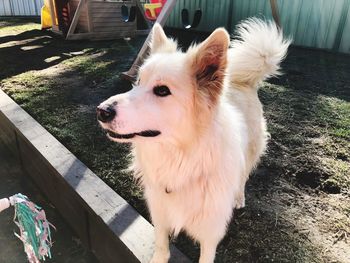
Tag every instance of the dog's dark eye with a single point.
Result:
(161, 91)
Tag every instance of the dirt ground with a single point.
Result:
(298, 200)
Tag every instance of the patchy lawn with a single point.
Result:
(298, 200)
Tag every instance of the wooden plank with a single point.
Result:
(114, 18)
(102, 235)
(8, 136)
(52, 12)
(109, 36)
(107, 9)
(83, 28)
(56, 30)
(74, 2)
(104, 17)
(83, 20)
(104, 4)
(103, 35)
(117, 31)
(90, 27)
(105, 12)
(75, 18)
(78, 36)
(114, 32)
(82, 25)
(83, 13)
(142, 32)
(119, 24)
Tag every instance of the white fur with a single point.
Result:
(195, 171)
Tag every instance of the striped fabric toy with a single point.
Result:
(34, 229)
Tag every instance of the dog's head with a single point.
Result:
(175, 93)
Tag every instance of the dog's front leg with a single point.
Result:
(208, 233)
(240, 198)
(208, 250)
(162, 252)
(240, 195)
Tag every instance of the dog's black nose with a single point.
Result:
(105, 113)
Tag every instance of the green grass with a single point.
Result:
(307, 128)
(340, 171)
(340, 125)
(17, 25)
(90, 66)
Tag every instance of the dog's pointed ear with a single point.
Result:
(159, 41)
(209, 63)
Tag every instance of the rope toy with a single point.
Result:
(33, 226)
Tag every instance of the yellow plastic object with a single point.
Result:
(152, 7)
(46, 21)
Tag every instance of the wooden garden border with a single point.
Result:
(104, 221)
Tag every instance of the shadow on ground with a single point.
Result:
(37, 50)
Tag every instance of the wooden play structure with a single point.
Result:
(93, 19)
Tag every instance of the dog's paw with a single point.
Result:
(240, 202)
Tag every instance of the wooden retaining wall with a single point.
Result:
(104, 221)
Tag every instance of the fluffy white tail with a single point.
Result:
(257, 52)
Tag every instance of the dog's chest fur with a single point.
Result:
(192, 181)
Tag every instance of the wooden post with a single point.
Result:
(75, 19)
(162, 18)
(89, 15)
(52, 12)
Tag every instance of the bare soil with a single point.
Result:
(298, 200)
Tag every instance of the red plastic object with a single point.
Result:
(157, 10)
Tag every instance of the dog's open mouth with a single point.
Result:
(148, 133)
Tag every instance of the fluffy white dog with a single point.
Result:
(197, 128)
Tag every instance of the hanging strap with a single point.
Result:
(128, 16)
(185, 17)
(197, 18)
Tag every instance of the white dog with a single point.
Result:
(197, 128)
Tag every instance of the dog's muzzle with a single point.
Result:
(106, 113)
